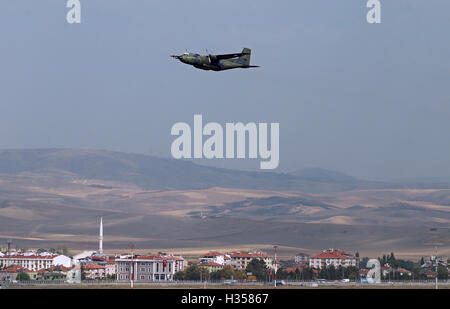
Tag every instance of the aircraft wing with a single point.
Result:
(229, 56)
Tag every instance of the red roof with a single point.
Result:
(212, 253)
(16, 268)
(402, 270)
(301, 265)
(92, 266)
(12, 269)
(363, 271)
(293, 269)
(332, 254)
(58, 268)
(98, 258)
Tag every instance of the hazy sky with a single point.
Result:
(370, 100)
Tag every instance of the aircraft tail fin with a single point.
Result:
(245, 59)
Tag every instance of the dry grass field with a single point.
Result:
(54, 198)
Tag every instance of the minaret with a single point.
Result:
(100, 238)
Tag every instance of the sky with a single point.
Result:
(370, 100)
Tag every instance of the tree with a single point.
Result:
(297, 274)
(191, 273)
(23, 276)
(307, 273)
(258, 268)
(227, 273)
(422, 261)
(323, 273)
(179, 275)
(363, 263)
(332, 272)
(352, 273)
(340, 272)
(392, 260)
(442, 272)
(63, 250)
(240, 275)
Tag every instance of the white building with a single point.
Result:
(35, 261)
(83, 255)
(93, 271)
(333, 257)
(145, 268)
(240, 259)
(301, 258)
(216, 258)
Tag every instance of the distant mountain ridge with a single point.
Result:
(151, 172)
(321, 174)
(50, 197)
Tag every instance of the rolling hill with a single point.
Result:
(153, 173)
(50, 197)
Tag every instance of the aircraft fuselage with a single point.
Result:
(216, 62)
(205, 63)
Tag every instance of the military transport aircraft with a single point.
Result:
(218, 62)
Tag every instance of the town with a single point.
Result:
(20, 266)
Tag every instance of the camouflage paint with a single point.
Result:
(218, 62)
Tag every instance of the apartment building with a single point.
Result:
(333, 257)
(301, 258)
(215, 258)
(240, 259)
(146, 268)
(34, 261)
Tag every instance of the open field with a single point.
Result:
(34, 216)
(50, 198)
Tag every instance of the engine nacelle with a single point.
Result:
(212, 58)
